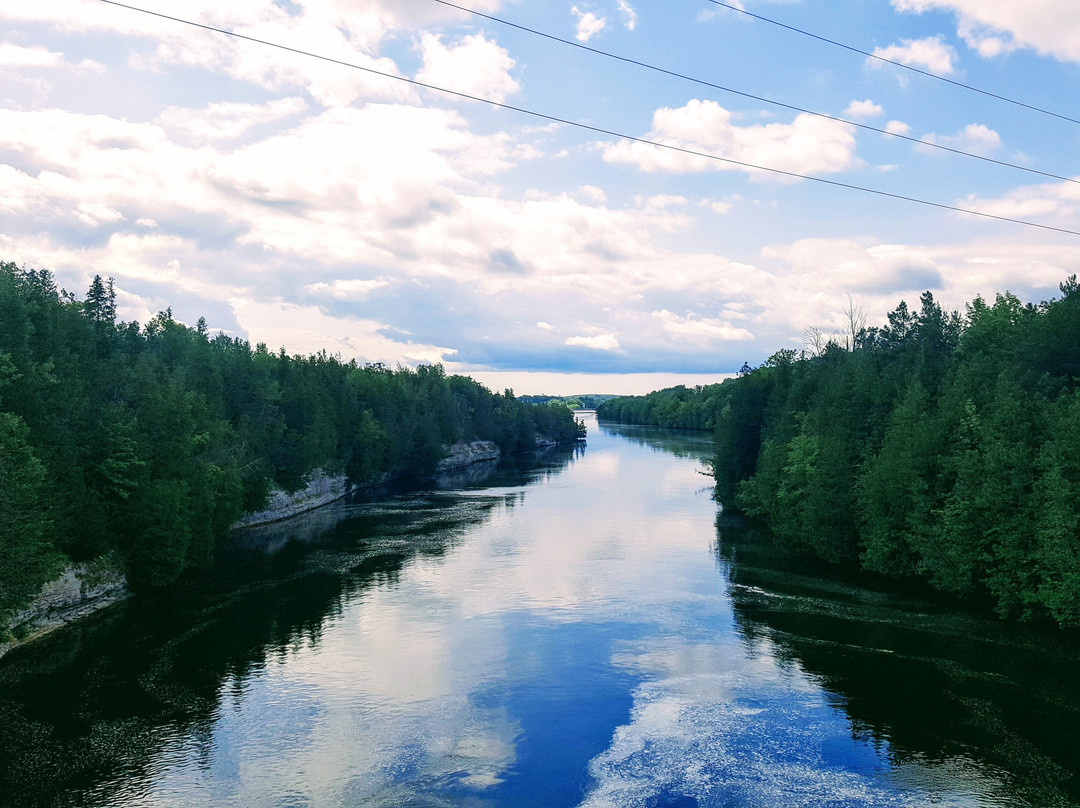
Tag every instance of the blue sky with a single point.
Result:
(300, 203)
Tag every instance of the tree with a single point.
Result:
(27, 559)
(100, 304)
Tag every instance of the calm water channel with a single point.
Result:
(569, 631)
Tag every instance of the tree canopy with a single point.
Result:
(941, 446)
(148, 441)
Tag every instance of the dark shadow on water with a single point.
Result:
(697, 444)
(84, 710)
(922, 679)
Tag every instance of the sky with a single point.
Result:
(312, 205)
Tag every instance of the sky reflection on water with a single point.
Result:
(571, 633)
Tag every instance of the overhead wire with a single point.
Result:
(881, 58)
(588, 127)
(704, 83)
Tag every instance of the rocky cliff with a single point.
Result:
(80, 590)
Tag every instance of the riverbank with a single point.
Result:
(83, 589)
(323, 488)
(79, 591)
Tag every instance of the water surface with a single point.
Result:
(570, 630)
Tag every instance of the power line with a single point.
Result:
(763, 99)
(587, 127)
(853, 49)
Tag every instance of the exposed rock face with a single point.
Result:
(321, 489)
(464, 454)
(79, 591)
(85, 588)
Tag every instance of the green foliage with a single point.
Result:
(584, 401)
(941, 447)
(26, 557)
(675, 407)
(153, 440)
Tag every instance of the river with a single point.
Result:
(577, 629)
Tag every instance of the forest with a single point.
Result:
(585, 401)
(678, 407)
(941, 447)
(144, 443)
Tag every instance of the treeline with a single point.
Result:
(678, 407)
(588, 401)
(146, 442)
(942, 446)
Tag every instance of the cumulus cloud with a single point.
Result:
(307, 329)
(226, 121)
(827, 269)
(993, 27)
(334, 208)
(807, 145)
(592, 193)
(364, 25)
(338, 31)
(863, 109)
(809, 280)
(699, 329)
(975, 138)
(474, 65)
(19, 57)
(588, 25)
(301, 206)
(600, 342)
(930, 54)
(1050, 203)
(897, 128)
(355, 289)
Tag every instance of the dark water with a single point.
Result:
(573, 630)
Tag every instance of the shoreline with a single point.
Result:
(87, 588)
(323, 489)
(79, 591)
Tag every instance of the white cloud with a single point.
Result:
(406, 228)
(629, 15)
(663, 201)
(306, 330)
(975, 138)
(601, 342)
(808, 145)
(929, 54)
(592, 193)
(343, 191)
(814, 276)
(355, 289)
(863, 109)
(226, 121)
(695, 329)
(474, 65)
(1055, 204)
(588, 25)
(897, 128)
(327, 28)
(992, 27)
(17, 57)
